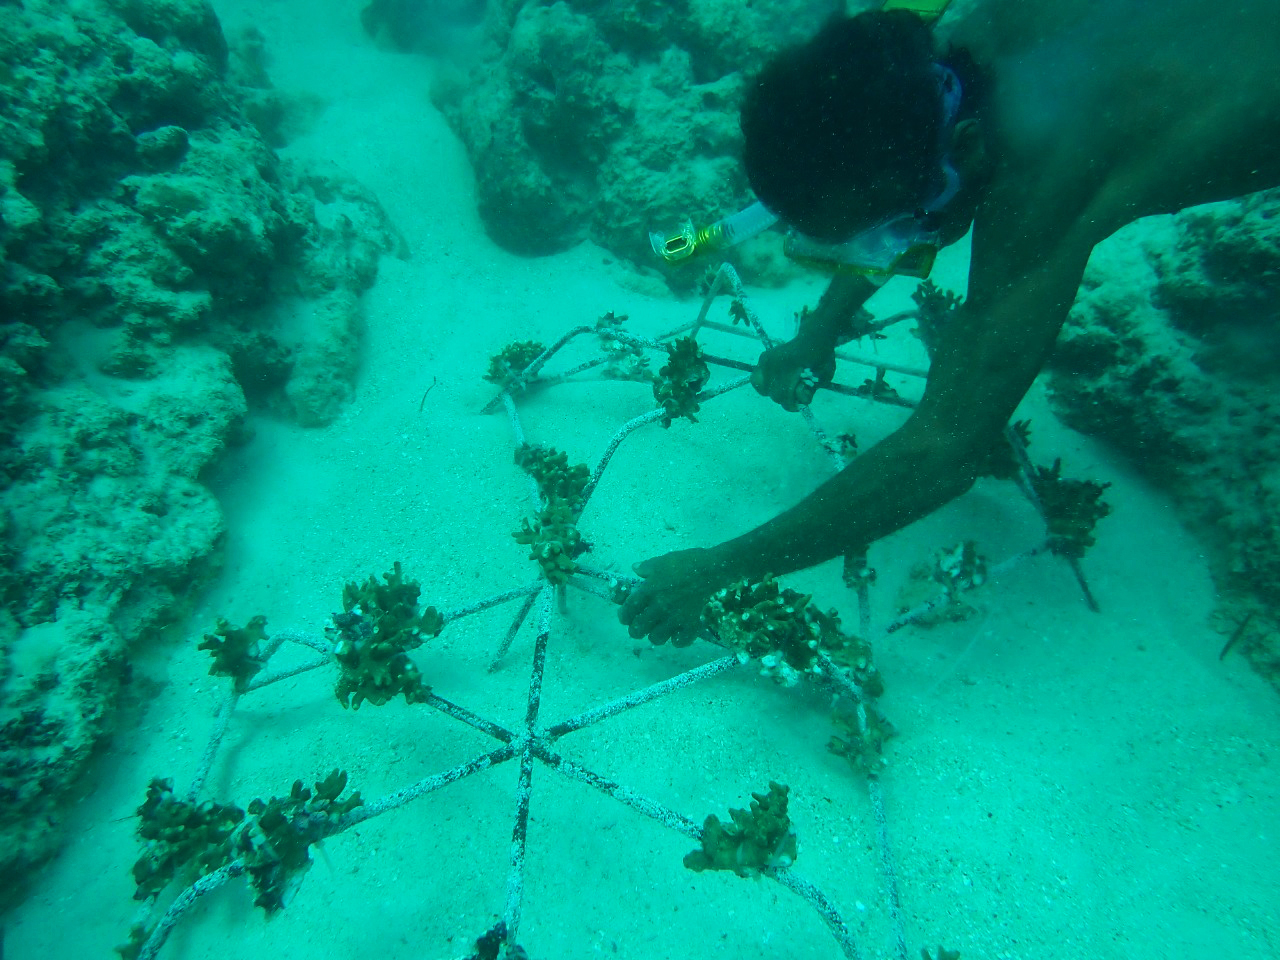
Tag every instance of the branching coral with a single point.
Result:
(379, 624)
(553, 536)
(1072, 508)
(273, 839)
(277, 841)
(557, 479)
(624, 360)
(182, 840)
(507, 364)
(553, 540)
(953, 569)
(754, 840)
(859, 738)
(786, 633)
(236, 650)
(680, 380)
(937, 307)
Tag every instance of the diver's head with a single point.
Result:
(850, 128)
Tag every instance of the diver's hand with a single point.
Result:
(786, 373)
(668, 605)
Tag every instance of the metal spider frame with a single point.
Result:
(532, 742)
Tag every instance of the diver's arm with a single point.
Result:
(832, 321)
(991, 352)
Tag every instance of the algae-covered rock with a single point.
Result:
(605, 120)
(148, 236)
(59, 680)
(1169, 355)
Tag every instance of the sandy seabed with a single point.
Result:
(1064, 784)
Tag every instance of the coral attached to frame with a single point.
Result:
(277, 842)
(680, 380)
(754, 840)
(184, 841)
(557, 479)
(507, 365)
(379, 624)
(236, 650)
(553, 540)
(786, 633)
(1072, 508)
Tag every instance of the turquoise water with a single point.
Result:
(1063, 783)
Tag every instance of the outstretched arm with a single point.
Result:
(987, 359)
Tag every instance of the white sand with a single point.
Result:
(1065, 784)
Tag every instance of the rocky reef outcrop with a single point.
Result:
(604, 119)
(162, 272)
(1170, 355)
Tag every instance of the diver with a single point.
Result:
(1043, 126)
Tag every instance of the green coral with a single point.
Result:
(785, 632)
(236, 650)
(511, 361)
(680, 380)
(624, 360)
(553, 536)
(1072, 508)
(557, 479)
(277, 842)
(754, 840)
(181, 840)
(185, 841)
(379, 624)
(553, 540)
(937, 307)
(859, 738)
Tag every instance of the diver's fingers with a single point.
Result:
(790, 398)
(645, 620)
(643, 568)
(632, 606)
(661, 633)
(782, 387)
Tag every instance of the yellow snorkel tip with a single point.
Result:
(687, 241)
(683, 243)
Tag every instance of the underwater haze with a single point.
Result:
(310, 641)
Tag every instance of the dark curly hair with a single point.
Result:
(844, 130)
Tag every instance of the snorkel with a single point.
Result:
(725, 232)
